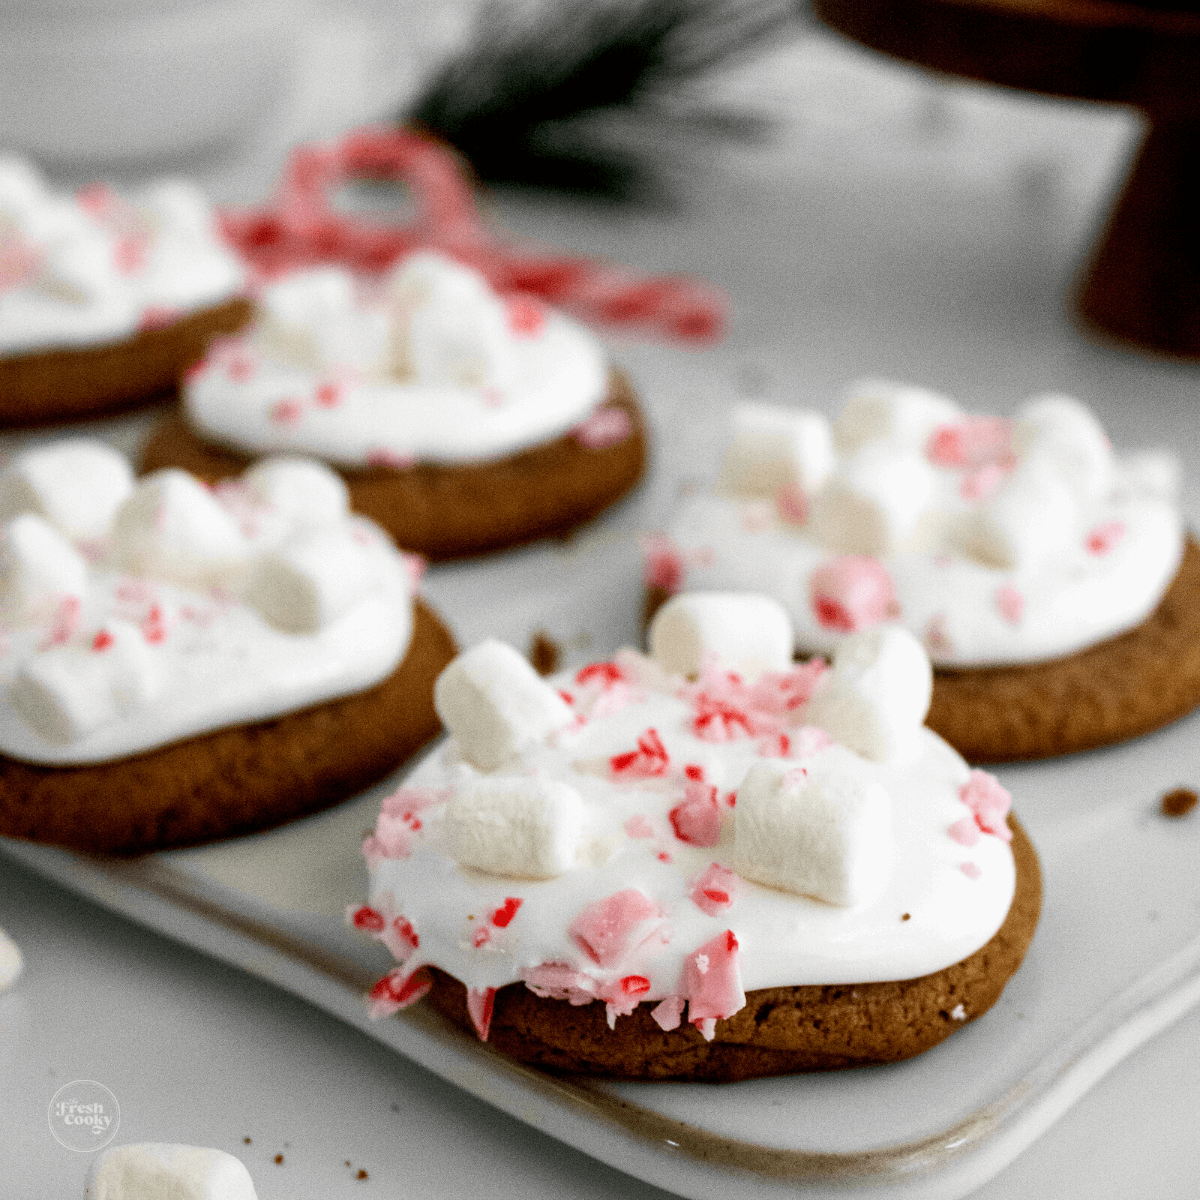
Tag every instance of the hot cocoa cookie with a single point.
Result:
(106, 300)
(780, 857)
(1043, 573)
(450, 510)
(183, 663)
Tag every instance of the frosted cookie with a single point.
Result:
(462, 420)
(1050, 581)
(665, 867)
(158, 1170)
(182, 663)
(106, 300)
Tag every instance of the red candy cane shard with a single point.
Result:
(480, 1002)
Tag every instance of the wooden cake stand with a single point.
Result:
(1142, 280)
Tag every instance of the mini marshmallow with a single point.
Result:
(65, 693)
(297, 310)
(1066, 433)
(873, 504)
(825, 834)
(452, 328)
(172, 527)
(179, 206)
(310, 581)
(746, 632)
(1151, 473)
(302, 489)
(515, 826)
(158, 1171)
(877, 695)
(77, 485)
(495, 703)
(37, 566)
(10, 961)
(901, 414)
(774, 448)
(1030, 519)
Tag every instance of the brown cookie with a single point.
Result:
(450, 511)
(93, 381)
(237, 780)
(1108, 693)
(781, 1030)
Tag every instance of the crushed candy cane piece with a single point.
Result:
(480, 1002)
(715, 889)
(852, 592)
(609, 929)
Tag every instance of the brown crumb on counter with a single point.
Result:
(1178, 802)
(279, 1160)
(246, 1140)
(361, 1174)
(906, 917)
(544, 653)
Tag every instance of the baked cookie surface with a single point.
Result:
(781, 1030)
(235, 780)
(451, 510)
(66, 384)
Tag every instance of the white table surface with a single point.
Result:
(894, 225)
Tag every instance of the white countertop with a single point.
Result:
(895, 226)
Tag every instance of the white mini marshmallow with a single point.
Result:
(172, 527)
(10, 961)
(22, 191)
(875, 699)
(310, 581)
(158, 1171)
(495, 703)
(301, 312)
(772, 448)
(302, 489)
(77, 485)
(903, 415)
(1029, 520)
(65, 693)
(825, 834)
(873, 504)
(178, 206)
(745, 632)
(1151, 473)
(453, 329)
(37, 566)
(1066, 433)
(515, 825)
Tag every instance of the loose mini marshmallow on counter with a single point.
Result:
(495, 704)
(427, 363)
(749, 633)
(194, 608)
(657, 822)
(96, 267)
(994, 540)
(160, 1171)
(11, 962)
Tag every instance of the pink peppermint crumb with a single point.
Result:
(400, 938)
(668, 1014)
(526, 316)
(712, 980)
(1104, 538)
(606, 930)
(697, 820)
(239, 368)
(286, 412)
(367, 919)
(158, 316)
(970, 870)
(852, 592)
(604, 673)
(481, 936)
(972, 442)
(648, 760)
(639, 827)
(1010, 603)
(663, 856)
(607, 426)
(480, 1002)
(63, 623)
(102, 640)
(662, 564)
(154, 627)
(129, 254)
(395, 460)
(397, 990)
(989, 803)
(328, 395)
(791, 504)
(715, 889)
(694, 772)
(964, 831)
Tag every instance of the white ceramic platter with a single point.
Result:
(1116, 959)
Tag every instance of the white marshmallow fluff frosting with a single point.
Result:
(680, 828)
(135, 613)
(97, 267)
(425, 364)
(995, 540)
